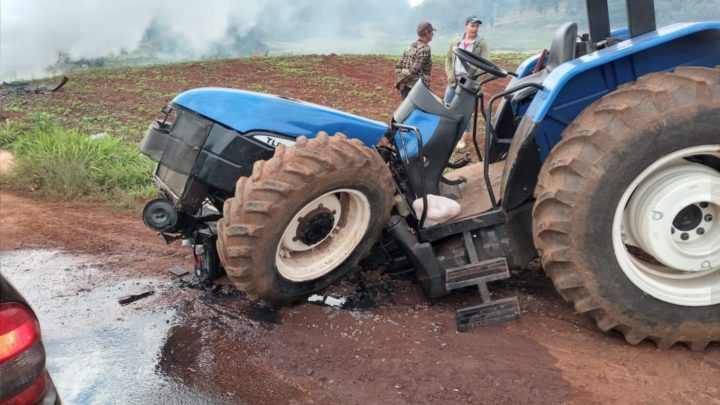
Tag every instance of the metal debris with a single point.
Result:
(177, 271)
(28, 88)
(127, 299)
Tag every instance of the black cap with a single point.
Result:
(472, 20)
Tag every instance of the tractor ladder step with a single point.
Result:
(476, 273)
(491, 313)
(480, 273)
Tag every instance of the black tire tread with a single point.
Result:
(572, 162)
(290, 170)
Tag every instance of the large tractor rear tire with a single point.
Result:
(304, 218)
(627, 212)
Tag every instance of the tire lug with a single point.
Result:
(708, 218)
(704, 205)
(684, 236)
(700, 231)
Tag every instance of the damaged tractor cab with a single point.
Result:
(601, 157)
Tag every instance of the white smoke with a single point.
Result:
(33, 33)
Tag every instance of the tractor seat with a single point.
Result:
(420, 97)
(562, 50)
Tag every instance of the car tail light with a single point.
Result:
(22, 356)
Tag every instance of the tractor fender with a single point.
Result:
(574, 85)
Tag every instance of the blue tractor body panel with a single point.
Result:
(408, 141)
(525, 68)
(246, 111)
(574, 85)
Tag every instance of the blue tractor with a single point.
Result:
(601, 157)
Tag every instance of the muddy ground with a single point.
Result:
(391, 346)
(189, 345)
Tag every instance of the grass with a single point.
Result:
(293, 65)
(9, 133)
(50, 134)
(65, 164)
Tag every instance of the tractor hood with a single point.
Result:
(246, 111)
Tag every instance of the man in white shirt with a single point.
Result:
(470, 41)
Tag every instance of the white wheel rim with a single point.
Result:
(666, 229)
(338, 221)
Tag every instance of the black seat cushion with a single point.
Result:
(562, 50)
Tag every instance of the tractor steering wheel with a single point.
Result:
(480, 63)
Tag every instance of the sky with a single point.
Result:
(34, 32)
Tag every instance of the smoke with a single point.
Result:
(33, 33)
(36, 34)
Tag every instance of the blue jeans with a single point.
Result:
(449, 95)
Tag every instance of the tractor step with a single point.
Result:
(476, 273)
(493, 312)
(480, 273)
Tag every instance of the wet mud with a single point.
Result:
(388, 344)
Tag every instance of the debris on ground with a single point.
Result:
(38, 88)
(327, 300)
(177, 271)
(128, 299)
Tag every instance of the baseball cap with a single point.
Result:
(425, 26)
(472, 20)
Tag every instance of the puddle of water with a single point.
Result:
(98, 351)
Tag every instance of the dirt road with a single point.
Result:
(186, 345)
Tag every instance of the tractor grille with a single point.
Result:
(176, 148)
(175, 182)
(186, 192)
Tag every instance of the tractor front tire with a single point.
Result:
(304, 218)
(626, 213)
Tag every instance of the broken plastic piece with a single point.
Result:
(327, 300)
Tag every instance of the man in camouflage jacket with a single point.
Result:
(416, 62)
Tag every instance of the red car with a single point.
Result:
(24, 380)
